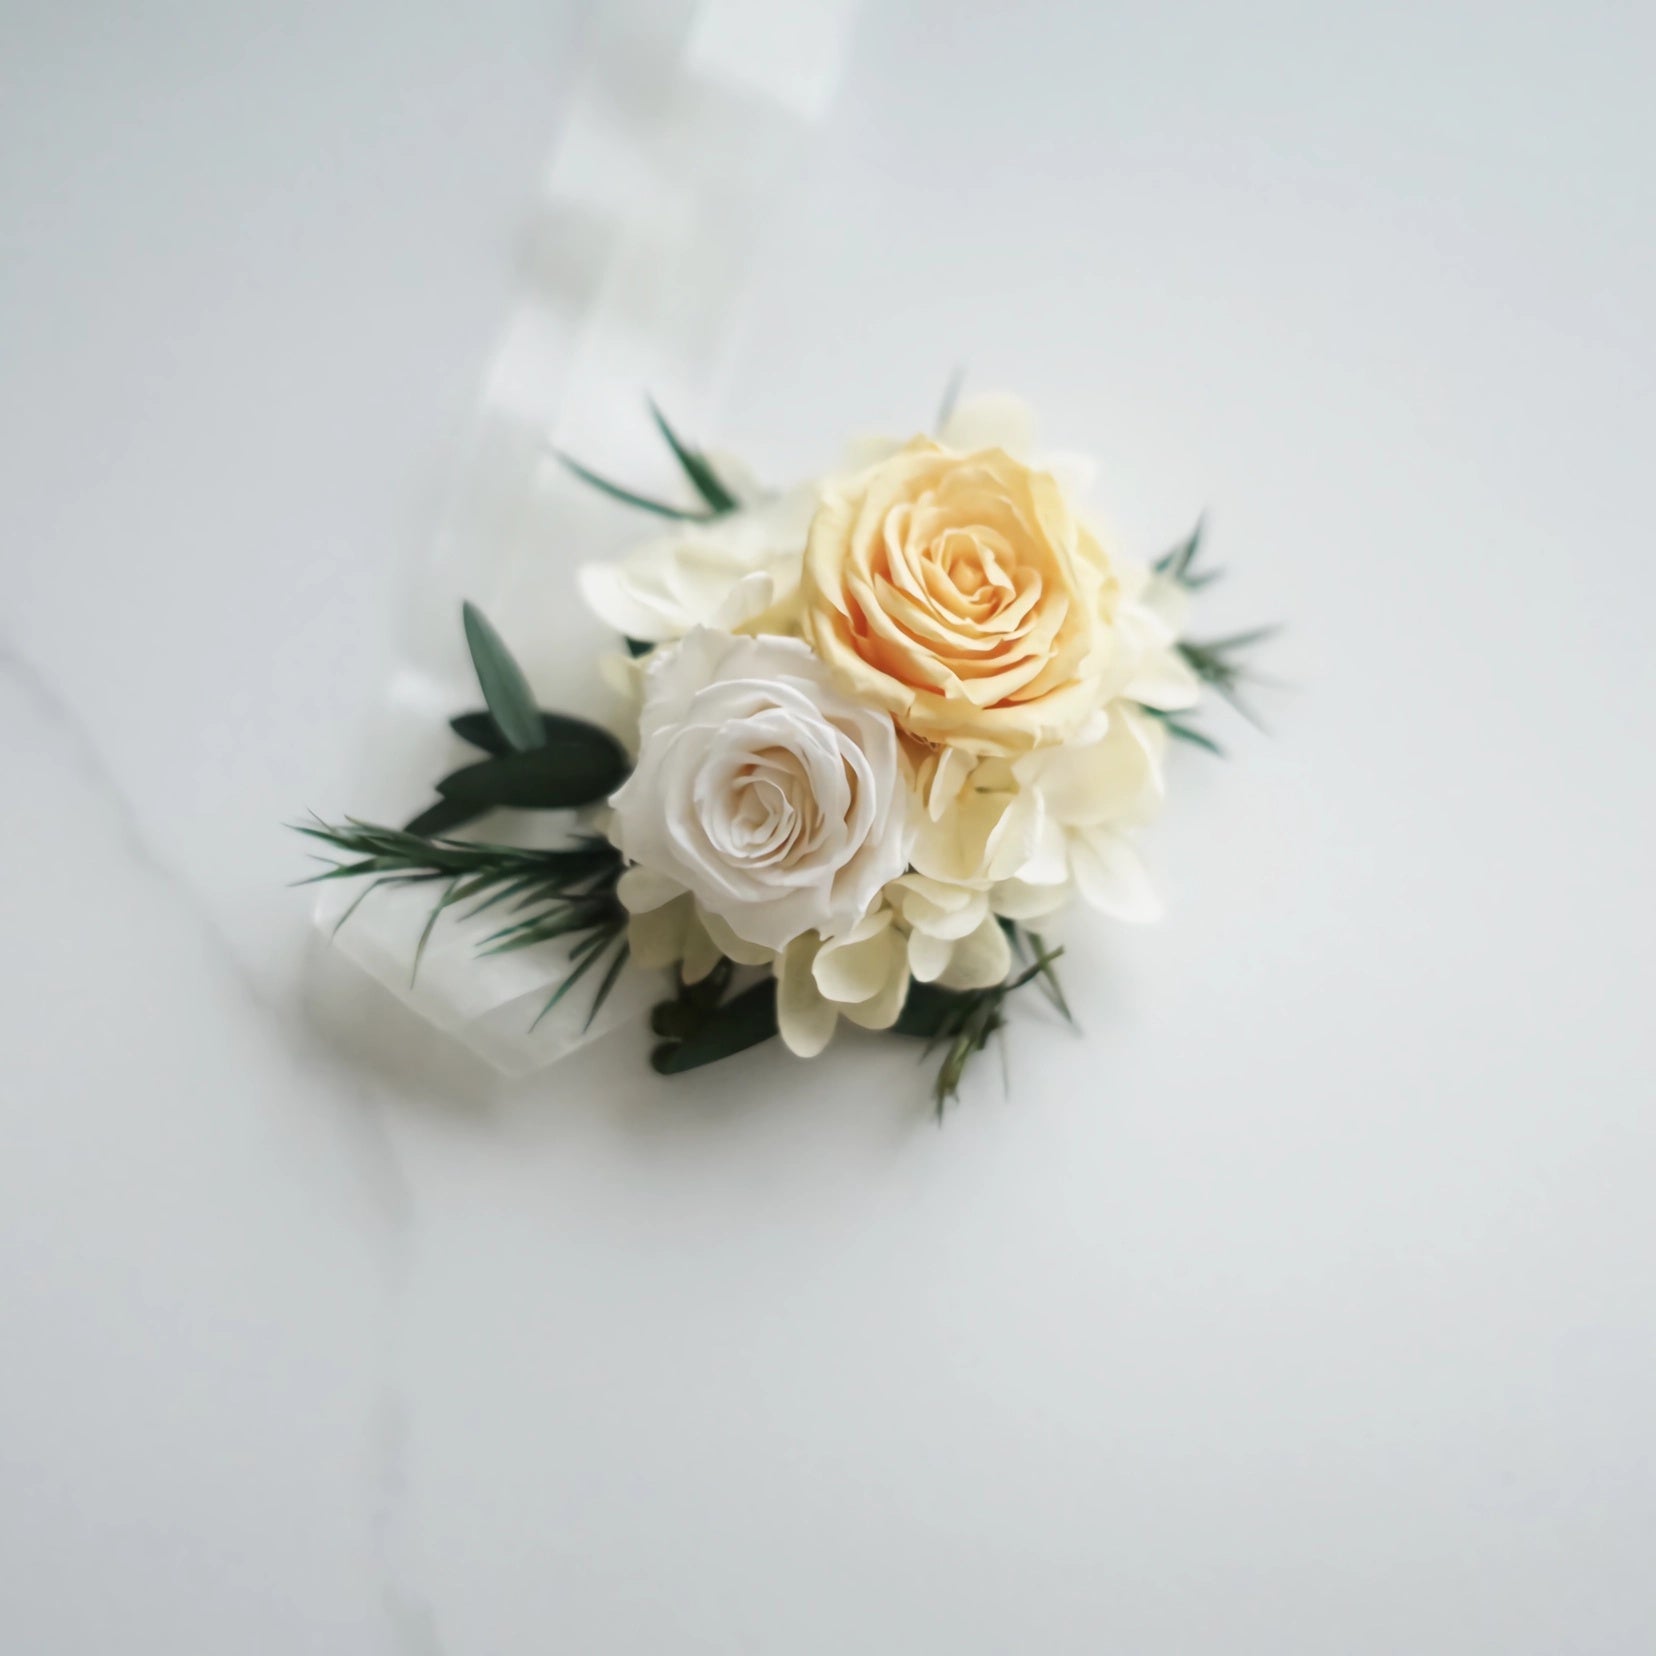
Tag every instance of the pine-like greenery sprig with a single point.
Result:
(542, 895)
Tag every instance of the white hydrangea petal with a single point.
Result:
(980, 960)
(1015, 838)
(701, 953)
(856, 967)
(928, 955)
(641, 889)
(883, 1009)
(750, 596)
(1164, 679)
(1111, 877)
(617, 601)
(804, 1017)
(730, 945)
(655, 936)
(948, 777)
(1168, 601)
(1017, 900)
(990, 419)
(1048, 861)
(945, 911)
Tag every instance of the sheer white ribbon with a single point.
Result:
(686, 123)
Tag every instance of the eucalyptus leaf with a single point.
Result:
(572, 771)
(505, 689)
(443, 818)
(480, 730)
(743, 1022)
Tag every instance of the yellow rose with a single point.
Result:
(959, 592)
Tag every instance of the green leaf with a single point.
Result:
(930, 1012)
(601, 993)
(636, 647)
(565, 774)
(505, 689)
(745, 1021)
(444, 817)
(480, 730)
(627, 497)
(1196, 738)
(702, 476)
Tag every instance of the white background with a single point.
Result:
(1304, 1305)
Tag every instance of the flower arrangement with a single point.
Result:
(889, 725)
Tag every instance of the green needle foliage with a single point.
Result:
(1220, 662)
(1184, 731)
(1181, 562)
(540, 895)
(715, 494)
(1217, 662)
(961, 1021)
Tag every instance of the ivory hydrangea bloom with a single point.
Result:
(718, 573)
(961, 593)
(762, 790)
(1031, 832)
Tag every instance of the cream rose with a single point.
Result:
(961, 593)
(761, 789)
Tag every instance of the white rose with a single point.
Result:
(714, 574)
(761, 789)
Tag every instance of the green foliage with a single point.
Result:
(1219, 662)
(629, 497)
(510, 700)
(1184, 731)
(961, 1021)
(572, 771)
(537, 761)
(716, 496)
(568, 892)
(696, 1032)
(703, 479)
(1180, 563)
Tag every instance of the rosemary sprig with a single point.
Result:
(1184, 731)
(1219, 662)
(962, 1021)
(1180, 563)
(568, 892)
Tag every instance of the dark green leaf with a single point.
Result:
(743, 1022)
(636, 647)
(702, 476)
(480, 730)
(930, 1012)
(505, 689)
(627, 497)
(573, 771)
(444, 817)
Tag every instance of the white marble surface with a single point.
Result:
(1305, 1306)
